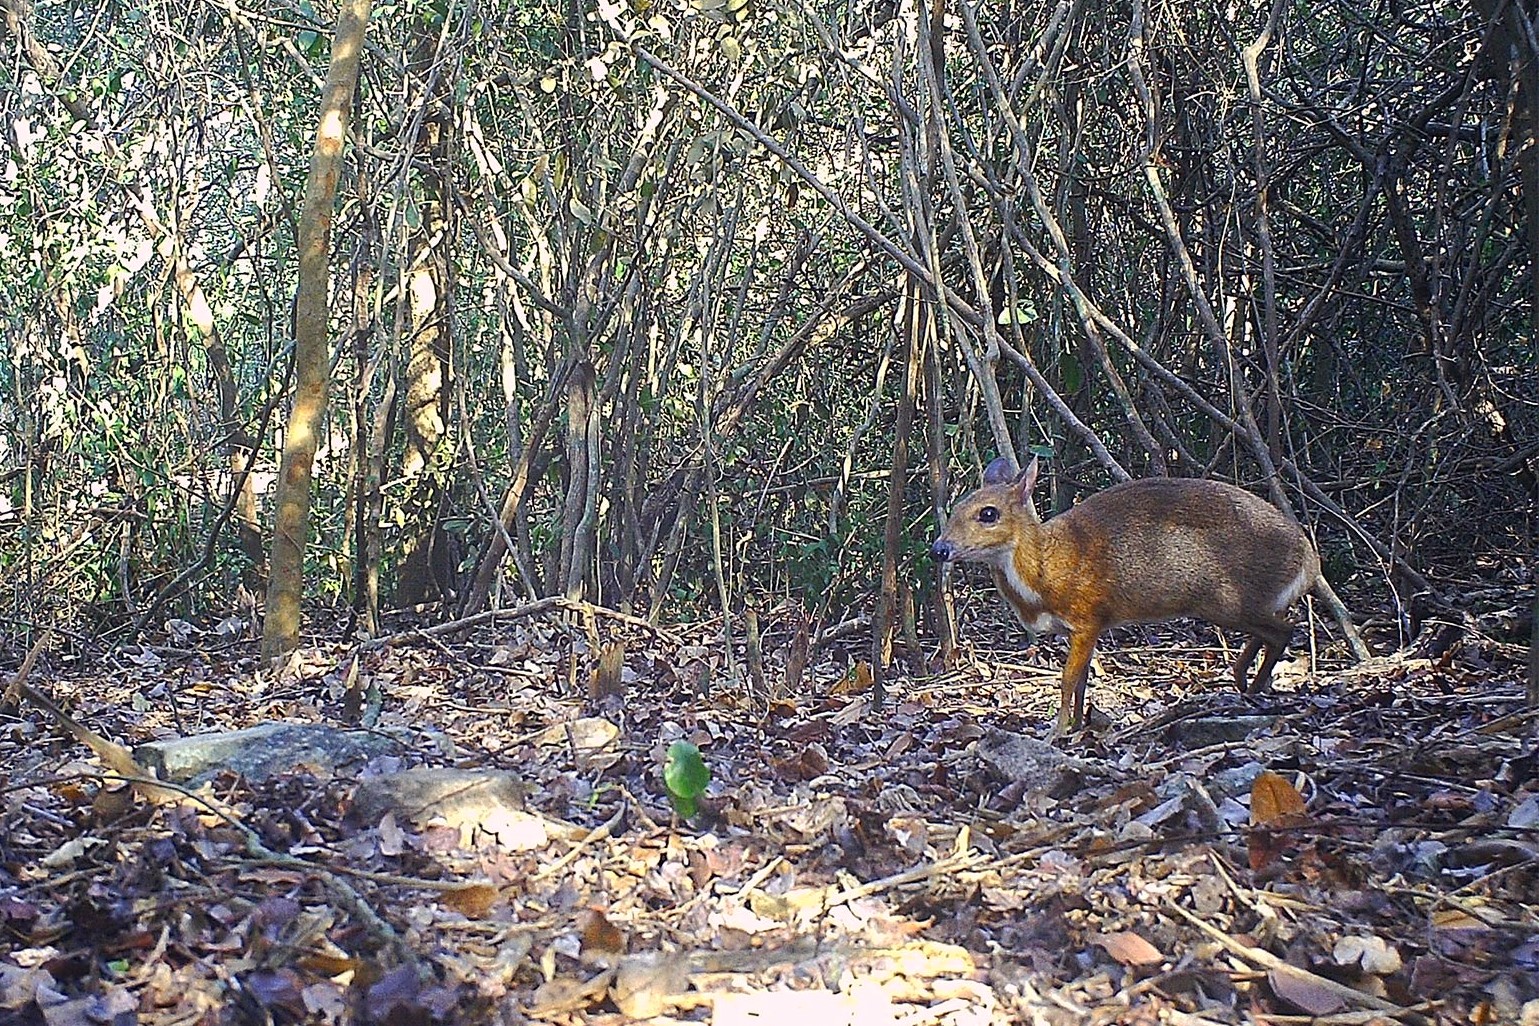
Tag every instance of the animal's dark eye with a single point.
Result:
(988, 515)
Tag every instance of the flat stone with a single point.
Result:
(261, 752)
(1216, 730)
(485, 806)
(426, 792)
(1039, 766)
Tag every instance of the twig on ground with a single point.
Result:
(948, 866)
(528, 609)
(598, 833)
(1270, 962)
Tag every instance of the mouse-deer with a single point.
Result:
(1138, 552)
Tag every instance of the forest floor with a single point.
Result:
(1359, 845)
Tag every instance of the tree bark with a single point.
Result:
(367, 448)
(1533, 658)
(285, 586)
(885, 621)
(424, 571)
(943, 611)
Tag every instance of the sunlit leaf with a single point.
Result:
(1273, 799)
(686, 776)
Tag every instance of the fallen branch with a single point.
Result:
(1270, 962)
(113, 755)
(595, 835)
(528, 609)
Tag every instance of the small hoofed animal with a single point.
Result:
(1138, 552)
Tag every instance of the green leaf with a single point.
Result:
(1024, 313)
(686, 775)
(1073, 373)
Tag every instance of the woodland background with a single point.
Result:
(658, 335)
(716, 306)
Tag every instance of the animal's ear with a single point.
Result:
(999, 470)
(1027, 481)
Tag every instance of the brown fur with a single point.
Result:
(1139, 552)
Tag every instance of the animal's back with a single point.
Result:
(1170, 547)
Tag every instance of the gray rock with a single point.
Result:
(260, 753)
(425, 793)
(1015, 758)
(1216, 730)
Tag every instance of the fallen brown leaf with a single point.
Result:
(1304, 991)
(599, 935)
(1273, 799)
(473, 900)
(1128, 948)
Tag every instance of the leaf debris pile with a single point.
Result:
(1360, 846)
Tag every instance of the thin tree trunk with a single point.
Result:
(513, 500)
(885, 620)
(426, 413)
(285, 587)
(1252, 58)
(423, 572)
(366, 491)
(943, 612)
(1533, 658)
(578, 512)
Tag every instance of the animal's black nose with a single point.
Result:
(941, 550)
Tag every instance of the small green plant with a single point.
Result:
(597, 793)
(686, 775)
